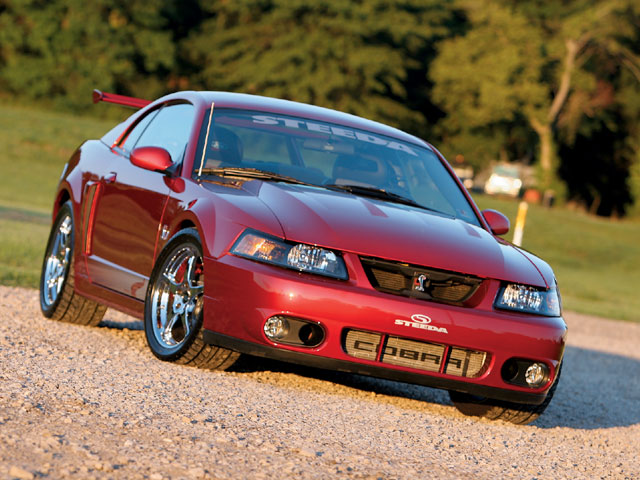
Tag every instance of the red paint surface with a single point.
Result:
(127, 216)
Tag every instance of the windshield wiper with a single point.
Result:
(246, 172)
(382, 194)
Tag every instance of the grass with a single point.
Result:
(597, 261)
(35, 146)
(22, 243)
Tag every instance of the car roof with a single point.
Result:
(287, 107)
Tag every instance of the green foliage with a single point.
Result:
(352, 56)
(486, 79)
(548, 68)
(491, 73)
(63, 49)
(634, 181)
(629, 109)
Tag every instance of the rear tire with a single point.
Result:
(517, 413)
(173, 307)
(58, 298)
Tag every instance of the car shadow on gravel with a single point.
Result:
(248, 364)
(597, 390)
(122, 325)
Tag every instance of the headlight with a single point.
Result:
(302, 257)
(523, 298)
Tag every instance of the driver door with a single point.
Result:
(131, 203)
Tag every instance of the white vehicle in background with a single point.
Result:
(504, 180)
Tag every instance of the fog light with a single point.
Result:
(276, 328)
(536, 374)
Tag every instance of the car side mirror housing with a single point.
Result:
(156, 159)
(498, 223)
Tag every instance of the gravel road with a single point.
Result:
(82, 402)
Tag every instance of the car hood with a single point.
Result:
(378, 228)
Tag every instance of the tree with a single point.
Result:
(62, 49)
(484, 80)
(524, 62)
(360, 57)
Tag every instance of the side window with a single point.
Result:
(130, 143)
(169, 129)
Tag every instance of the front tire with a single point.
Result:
(173, 307)
(58, 298)
(520, 414)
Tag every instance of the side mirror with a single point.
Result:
(498, 223)
(156, 159)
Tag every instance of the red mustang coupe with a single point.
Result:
(236, 224)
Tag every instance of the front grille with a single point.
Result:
(465, 363)
(412, 354)
(362, 344)
(391, 280)
(419, 282)
(404, 352)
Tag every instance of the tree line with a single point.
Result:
(552, 84)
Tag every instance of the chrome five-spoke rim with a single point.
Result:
(57, 262)
(177, 297)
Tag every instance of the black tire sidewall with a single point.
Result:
(191, 236)
(65, 209)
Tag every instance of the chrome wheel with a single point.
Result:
(176, 297)
(174, 306)
(57, 262)
(58, 297)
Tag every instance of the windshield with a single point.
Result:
(328, 156)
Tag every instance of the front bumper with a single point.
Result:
(240, 295)
(316, 361)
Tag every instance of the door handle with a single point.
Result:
(111, 177)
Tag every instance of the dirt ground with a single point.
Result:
(81, 402)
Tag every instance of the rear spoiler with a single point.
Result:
(99, 96)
